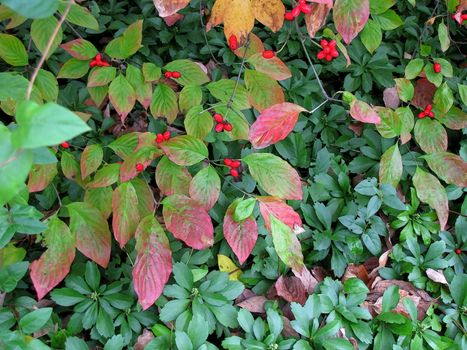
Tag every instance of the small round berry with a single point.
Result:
(168, 75)
(421, 115)
(218, 118)
(329, 57)
(235, 164)
(332, 43)
(234, 172)
(431, 114)
(139, 167)
(305, 8)
(233, 42)
(437, 67)
(327, 49)
(335, 53)
(458, 251)
(296, 11)
(228, 161)
(166, 135)
(98, 57)
(104, 64)
(94, 63)
(228, 127)
(176, 75)
(464, 17)
(268, 54)
(321, 55)
(219, 127)
(159, 138)
(324, 43)
(302, 2)
(288, 16)
(65, 144)
(428, 108)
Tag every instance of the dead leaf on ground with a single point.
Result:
(291, 289)
(254, 304)
(143, 340)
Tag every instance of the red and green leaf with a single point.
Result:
(188, 221)
(122, 96)
(390, 168)
(241, 236)
(91, 159)
(455, 119)
(167, 8)
(146, 202)
(101, 76)
(185, 150)
(273, 67)
(362, 112)
(263, 91)
(205, 187)
(54, 264)
(92, 232)
(153, 264)
(80, 49)
(73, 69)
(449, 167)
(106, 176)
(143, 156)
(142, 88)
(281, 210)
(431, 135)
(172, 178)
(198, 123)
(274, 124)
(350, 17)
(125, 215)
(41, 176)
(101, 199)
(316, 19)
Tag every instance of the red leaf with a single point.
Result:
(205, 187)
(291, 289)
(362, 112)
(91, 231)
(253, 304)
(350, 16)
(241, 236)
(424, 92)
(278, 208)
(125, 216)
(274, 124)
(54, 264)
(188, 221)
(308, 280)
(153, 263)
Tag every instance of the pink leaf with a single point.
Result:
(188, 221)
(363, 112)
(241, 236)
(153, 263)
(282, 211)
(350, 16)
(125, 216)
(169, 7)
(274, 124)
(205, 187)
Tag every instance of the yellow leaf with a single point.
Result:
(227, 265)
(269, 12)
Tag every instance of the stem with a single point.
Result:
(47, 49)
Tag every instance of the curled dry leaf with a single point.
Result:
(143, 340)
(436, 276)
(316, 19)
(307, 279)
(291, 289)
(358, 271)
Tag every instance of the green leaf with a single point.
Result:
(35, 320)
(390, 298)
(75, 343)
(431, 135)
(275, 323)
(46, 125)
(185, 150)
(263, 91)
(443, 35)
(430, 191)
(183, 276)
(12, 50)
(458, 288)
(142, 88)
(41, 32)
(164, 103)
(378, 7)
(463, 93)
(122, 96)
(223, 90)
(125, 216)
(190, 96)
(73, 69)
(390, 125)
(355, 286)
(244, 209)
(172, 178)
(182, 341)
(11, 275)
(47, 85)
(205, 187)
(432, 76)
(274, 175)
(405, 89)
(101, 76)
(414, 68)
(407, 123)
(151, 72)
(191, 72)
(371, 36)
(114, 343)
(79, 15)
(198, 123)
(286, 244)
(443, 100)
(390, 169)
(389, 20)
(337, 344)
(32, 8)
(449, 167)
(91, 159)
(127, 44)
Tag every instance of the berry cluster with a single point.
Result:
(233, 42)
(329, 51)
(427, 112)
(233, 165)
(65, 144)
(221, 123)
(437, 67)
(459, 18)
(174, 75)
(268, 54)
(139, 167)
(163, 137)
(99, 62)
(302, 7)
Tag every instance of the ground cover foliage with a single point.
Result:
(244, 174)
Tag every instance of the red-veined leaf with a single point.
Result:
(125, 217)
(316, 19)
(54, 264)
(188, 221)
(91, 231)
(274, 124)
(282, 211)
(362, 112)
(153, 262)
(41, 176)
(185, 150)
(350, 16)
(241, 236)
(273, 67)
(205, 187)
(172, 178)
(91, 159)
(449, 167)
(275, 175)
(430, 191)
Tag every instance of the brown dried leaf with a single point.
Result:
(316, 19)
(291, 289)
(254, 304)
(391, 97)
(307, 279)
(436, 276)
(358, 271)
(143, 340)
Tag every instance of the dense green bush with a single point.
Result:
(207, 175)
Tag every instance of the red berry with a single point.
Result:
(228, 127)
(65, 144)
(233, 42)
(306, 9)
(296, 11)
(324, 43)
(228, 161)
(176, 75)
(335, 53)
(327, 49)
(159, 138)
(321, 55)
(168, 75)
(437, 67)
(332, 43)
(139, 167)
(98, 57)
(464, 17)
(421, 115)
(329, 58)
(268, 54)
(458, 251)
(288, 16)
(235, 164)
(234, 172)
(431, 114)
(302, 2)
(92, 64)
(218, 118)
(428, 108)
(166, 135)
(219, 127)
(104, 64)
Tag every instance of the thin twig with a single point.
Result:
(203, 25)
(47, 49)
